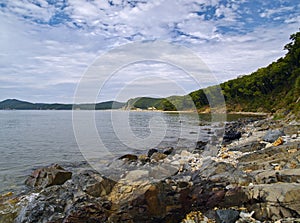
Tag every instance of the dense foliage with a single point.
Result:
(271, 88)
(275, 87)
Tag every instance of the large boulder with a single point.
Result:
(272, 135)
(275, 200)
(92, 183)
(48, 176)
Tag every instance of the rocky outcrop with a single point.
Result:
(48, 176)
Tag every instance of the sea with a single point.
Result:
(74, 139)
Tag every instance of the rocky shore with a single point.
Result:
(251, 175)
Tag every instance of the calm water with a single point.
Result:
(31, 139)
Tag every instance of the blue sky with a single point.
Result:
(47, 45)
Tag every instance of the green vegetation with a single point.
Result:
(269, 89)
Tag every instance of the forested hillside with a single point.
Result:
(270, 89)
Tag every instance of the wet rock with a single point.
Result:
(144, 158)
(158, 156)
(48, 206)
(129, 157)
(168, 151)
(272, 135)
(200, 145)
(229, 136)
(151, 151)
(227, 216)
(48, 176)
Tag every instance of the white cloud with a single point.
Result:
(43, 57)
(268, 13)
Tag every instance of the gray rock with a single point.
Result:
(48, 206)
(227, 216)
(276, 200)
(92, 183)
(273, 135)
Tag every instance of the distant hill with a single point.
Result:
(14, 104)
(270, 89)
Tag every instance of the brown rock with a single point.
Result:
(48, 176)
(158, 156)
(87, 212)
(155, 207)
(129, 157)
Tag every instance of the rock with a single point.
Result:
(196, 217)
(163, 171)
(9, 207)
(168, 151)
(185, 153)
(92, 183)
(275, 200)
(278, 142)
(48, 176)
(129, 157)
(48, 206)
(200, 145)
(275, 176)
(88, 211)
(227, 216)
(232, 136)
(144, 158)
(136, 175)
(248, 147)
(151, 151)
(158, 156)
(272, 135)
(292, 128)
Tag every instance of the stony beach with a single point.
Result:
(250, 174)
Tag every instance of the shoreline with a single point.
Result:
(234, 177)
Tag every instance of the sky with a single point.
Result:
(47, 46)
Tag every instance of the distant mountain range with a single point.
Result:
(14, 104)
